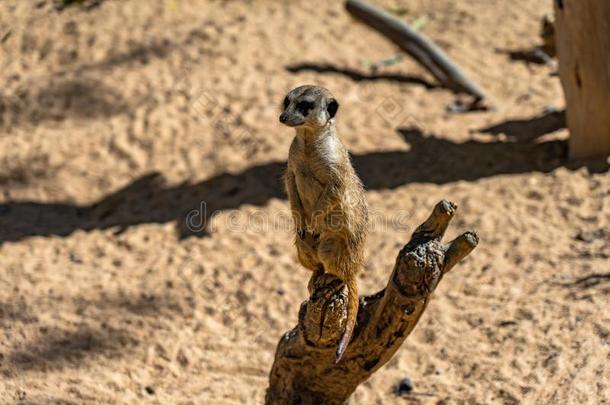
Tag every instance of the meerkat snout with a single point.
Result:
(309, 106)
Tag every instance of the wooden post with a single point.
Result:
(583, 48)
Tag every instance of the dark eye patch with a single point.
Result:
(286, 102)
(304, 107)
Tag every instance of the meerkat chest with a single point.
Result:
(314, 166)
(309, 185)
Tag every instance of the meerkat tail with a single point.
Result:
(352, 312)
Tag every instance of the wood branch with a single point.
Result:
(304, 370)
(416, 44)
(583, 48)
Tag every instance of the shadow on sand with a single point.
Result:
(58, 349)
(529, 129)
(148, 199)
(55, 348)
(77, 90)
(358, 76)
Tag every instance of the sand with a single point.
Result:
(146, 251)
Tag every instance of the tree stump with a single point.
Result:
(583, 48)
(304, 370)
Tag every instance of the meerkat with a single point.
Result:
(326, 196)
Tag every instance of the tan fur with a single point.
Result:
(326, 197)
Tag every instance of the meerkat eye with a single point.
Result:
(286, 102)
(304, 107)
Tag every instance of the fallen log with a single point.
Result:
(416, 44)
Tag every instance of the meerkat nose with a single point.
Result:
(283, 118)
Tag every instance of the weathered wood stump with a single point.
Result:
(304, 370)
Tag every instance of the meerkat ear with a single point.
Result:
(332, 107)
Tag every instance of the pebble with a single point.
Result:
(404, 387)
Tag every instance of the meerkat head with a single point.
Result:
(309, 106)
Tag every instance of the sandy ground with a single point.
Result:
(145, 242)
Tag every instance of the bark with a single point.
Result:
(583, 48)
(418, 46)
(304, 370)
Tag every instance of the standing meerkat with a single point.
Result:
(326, 196)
